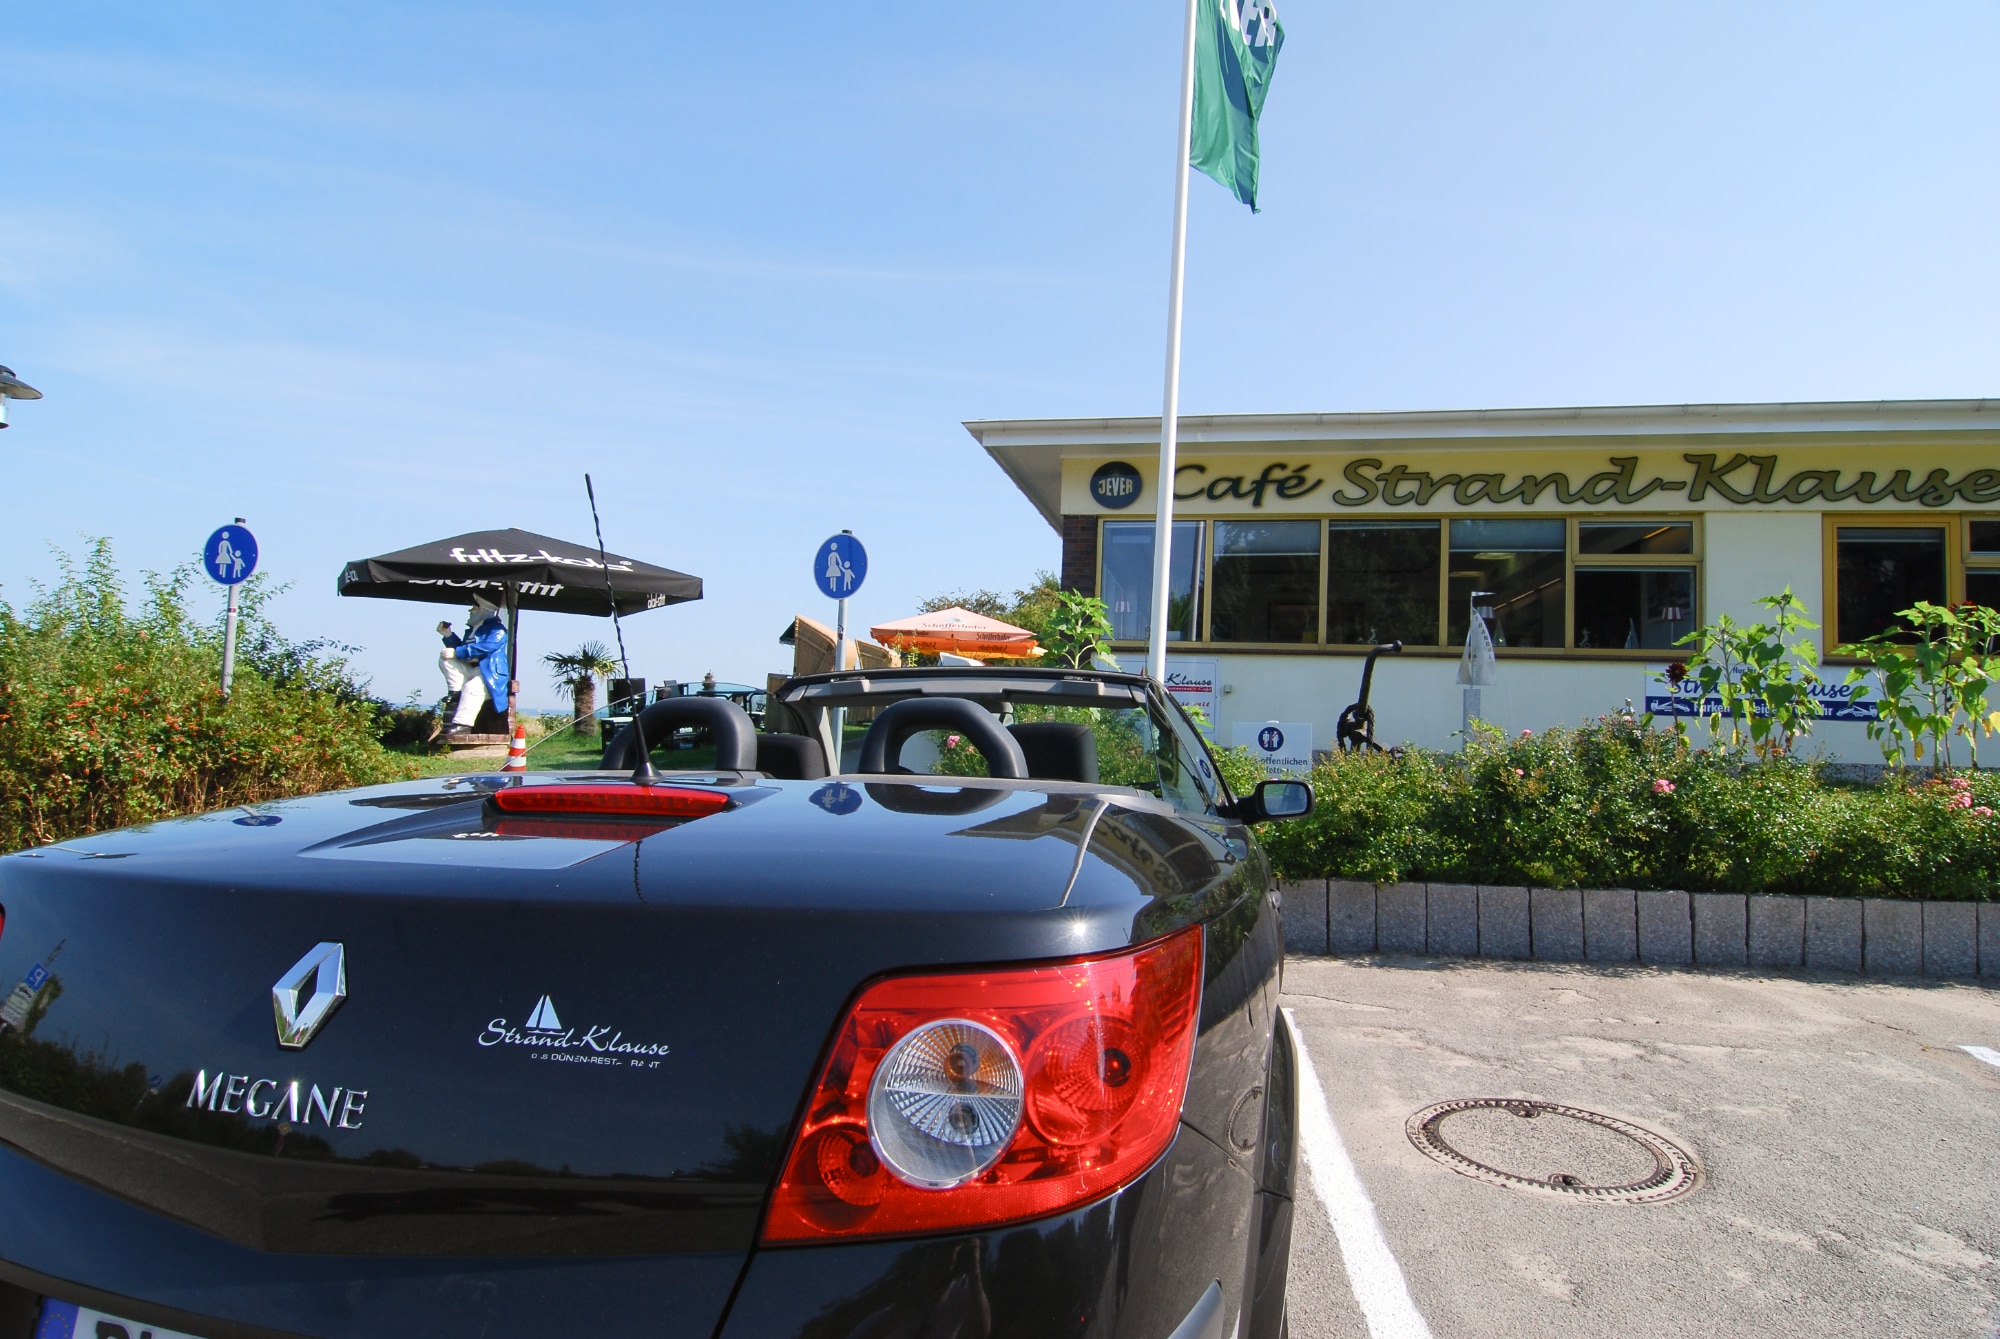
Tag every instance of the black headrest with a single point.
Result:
(1058, 750)
(790, 757)
(735, 736)
(882, 746)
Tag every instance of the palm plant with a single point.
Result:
(578, 671)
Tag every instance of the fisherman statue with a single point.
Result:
(474, 665)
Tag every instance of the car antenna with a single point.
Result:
(644, 774)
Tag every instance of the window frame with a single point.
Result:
(1206, 538)
(1444, 645)
(1599, 562)
(1444, 583)
(1209, 556)
(1957, 538)
(1968, 561)
(1206, 644)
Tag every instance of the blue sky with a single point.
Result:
(373, 274)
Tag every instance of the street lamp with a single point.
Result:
(13, 388)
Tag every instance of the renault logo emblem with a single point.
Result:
(307, 995)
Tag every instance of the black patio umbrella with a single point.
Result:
(516, 570)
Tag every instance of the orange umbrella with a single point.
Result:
(959, 631)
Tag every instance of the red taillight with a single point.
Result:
(580, 829)
(1103, 1045)
(621, 797)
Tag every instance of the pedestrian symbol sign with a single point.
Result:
(839, 566)
(230, 555)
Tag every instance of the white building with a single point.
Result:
(1600, 536)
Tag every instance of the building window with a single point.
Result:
(1383, 582)
(1633, 608)
(1635, 539)
(1879, 570)
(1982, 563)
(1265, 585)
(1128, 580)
(1516, 569)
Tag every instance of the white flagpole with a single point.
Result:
(1163, 523)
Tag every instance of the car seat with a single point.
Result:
(1058, 750)
(790, 757)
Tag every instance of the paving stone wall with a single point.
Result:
(1878, 936)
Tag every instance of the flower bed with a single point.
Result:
(1615, 804)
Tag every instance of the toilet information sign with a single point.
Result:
(1284, 747)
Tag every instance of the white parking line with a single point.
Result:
(1372, 1271)
(1986, 1053)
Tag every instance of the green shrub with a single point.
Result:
(111, 716)
(1613, 804)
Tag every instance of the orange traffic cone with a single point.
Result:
(517, 752)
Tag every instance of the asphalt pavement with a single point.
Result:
(1848, 1151)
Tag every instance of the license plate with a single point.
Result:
(67, 1320)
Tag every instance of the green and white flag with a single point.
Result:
(1235, 49)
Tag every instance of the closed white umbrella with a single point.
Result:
(1478, 668)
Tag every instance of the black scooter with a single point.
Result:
(1356, 731)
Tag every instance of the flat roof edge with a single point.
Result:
(1777, 416)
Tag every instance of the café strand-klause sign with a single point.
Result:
(1664, 481)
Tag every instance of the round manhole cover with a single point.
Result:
(1529, 1145)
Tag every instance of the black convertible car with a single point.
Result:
(974, 1036)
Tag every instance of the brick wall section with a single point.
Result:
(1079, 554)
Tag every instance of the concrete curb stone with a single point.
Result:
(1303, 914)
(1350, 916)
(1951, 939)
(1833, 934)
(1399, 918)
(1503, 922)
(1892, 937)
(1661, 927)
(1610, 925)
(1777, 932)
(1666, 931)
(1556, 924)
(1721, 929)
(1452, 924)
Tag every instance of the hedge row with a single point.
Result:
(1615, 804)
(110, 716)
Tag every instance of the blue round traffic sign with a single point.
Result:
(230, 555)
(839, 566)
(836, 798)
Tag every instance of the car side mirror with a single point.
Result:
(1273, 800)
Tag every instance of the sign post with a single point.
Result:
(839, 566)
(230, 556)
(838, 570)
